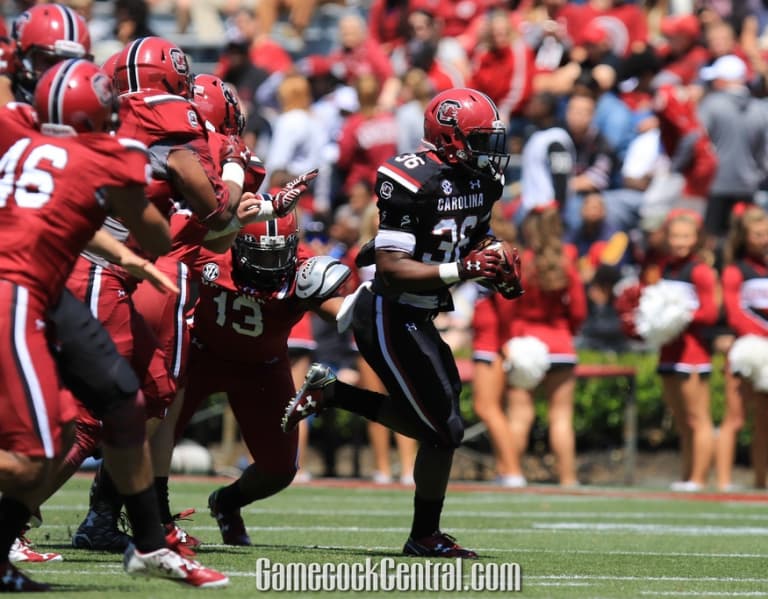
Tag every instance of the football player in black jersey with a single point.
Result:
(434, 209)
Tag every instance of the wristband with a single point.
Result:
(233, 173)
(449, 273)
(267, 207)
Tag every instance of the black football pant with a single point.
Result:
(88, 362)
(417, 367)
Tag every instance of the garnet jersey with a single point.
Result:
(187, 232)
(164, 122)
(236, 326)
(434, 211)
(151, 117)
(51, 200)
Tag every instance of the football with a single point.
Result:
(507, 282)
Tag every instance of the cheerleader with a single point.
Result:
(685, 361)
(745, 295)
(550, 312)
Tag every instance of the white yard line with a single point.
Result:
(535, 528)
(652, 529)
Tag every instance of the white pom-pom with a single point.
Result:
(526, 362)
(748, 357)
(665, 310)
(191, 458)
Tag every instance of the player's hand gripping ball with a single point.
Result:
(506, 279)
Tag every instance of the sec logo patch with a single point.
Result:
(211, 271)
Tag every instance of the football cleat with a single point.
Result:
(438, 544)
(166, 563)
(230, 524)
(12, 580)
(99, 532)
(179, 539)
(22, 551)
(311, 398)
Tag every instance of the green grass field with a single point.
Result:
(590, 543)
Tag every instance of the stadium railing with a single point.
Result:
(584, 371)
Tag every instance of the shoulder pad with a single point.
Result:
(319, 277)
(409, 171)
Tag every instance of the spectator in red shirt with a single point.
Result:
(367, 138)
(505, 70)
(388, 23)
(442, 58)
(359, 55)
(682, 55)
(264, 52)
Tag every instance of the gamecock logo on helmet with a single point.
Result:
(179, 61)
(102, 89)
(448, 112)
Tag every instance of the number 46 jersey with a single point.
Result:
(434, 211)
(51, 196)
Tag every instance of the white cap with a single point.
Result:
(345, 99)
(727, 68)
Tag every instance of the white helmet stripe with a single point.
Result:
(132, 66)
(492, 105)
(70, 27)
(56, 95)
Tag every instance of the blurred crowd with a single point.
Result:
(628, 123)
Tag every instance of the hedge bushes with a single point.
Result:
(600, 404)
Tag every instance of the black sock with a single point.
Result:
(161, 488)
(426, 517)
(356, 400)
(104, 493)
(13, 519)
(144, 514)
(231, 498)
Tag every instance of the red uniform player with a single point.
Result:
(56, 193)
(249, 301)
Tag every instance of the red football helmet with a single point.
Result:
(109, 66)
(218, 104)
(76, 95)
(264, 256)
(463, 126)
(153, 64)
(44, 35)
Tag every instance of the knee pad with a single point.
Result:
(124, 425)
(449, 436)
(111, 390)
(87, 359)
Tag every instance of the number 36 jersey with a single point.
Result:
(434, 211)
